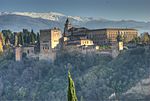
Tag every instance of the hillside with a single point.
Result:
(16, 21)
(96, 77)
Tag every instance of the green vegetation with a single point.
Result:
(71, 89)
(21, 38)
(96, 76)
(105, 47)
(143, 39)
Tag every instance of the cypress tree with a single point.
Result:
(71, 89)
(22, 39)
(19, 39)
(28, 38)
(32, 37)
(1, 43)
(38, 42)
(16, 39)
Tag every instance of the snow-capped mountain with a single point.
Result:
(48, 16)
(16, 21)
(53, 16)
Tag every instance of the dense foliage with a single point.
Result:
(71, 89)
(20, 38)
(96, 76)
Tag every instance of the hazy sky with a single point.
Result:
(109, 9)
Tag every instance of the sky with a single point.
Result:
(108, 9)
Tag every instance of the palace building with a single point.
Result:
(106, 36)
(109, 35)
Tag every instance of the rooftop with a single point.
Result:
(113, 29)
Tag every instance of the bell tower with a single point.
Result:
(67, 27)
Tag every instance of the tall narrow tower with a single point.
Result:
(67, 27)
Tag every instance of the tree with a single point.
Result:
(6, 32)
(1, 43)
(20, 39)
(119, 38)
(11, 38)
(136, 40)
(26, 36)
(7, 42)
(32, 37)
(71, 89)
(38, 42)
(6, 37)
(16, 39)
(125, 39)
(146, 38)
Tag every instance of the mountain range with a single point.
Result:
(16, 21)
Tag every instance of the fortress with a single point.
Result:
(52, 40)
(49, 42)
(80, 39)
(106, 36)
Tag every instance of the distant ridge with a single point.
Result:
(16, 21)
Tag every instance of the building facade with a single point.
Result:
(30, 51)
(49, 42)
(109, 35)
(106, 36)
(18, 53)
(81, 42)
(49, 39)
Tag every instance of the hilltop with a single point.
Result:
(96, 77)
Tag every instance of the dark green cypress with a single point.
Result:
(71, 89)
(32, 37)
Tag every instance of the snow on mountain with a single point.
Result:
(4, 13)
(49, 16)
(53, 16)
(37, 21)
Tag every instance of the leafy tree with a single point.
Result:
(119, 38)
(146, 38)
(71, 89)
(6, 32)
(125, 39)
(136, 40)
